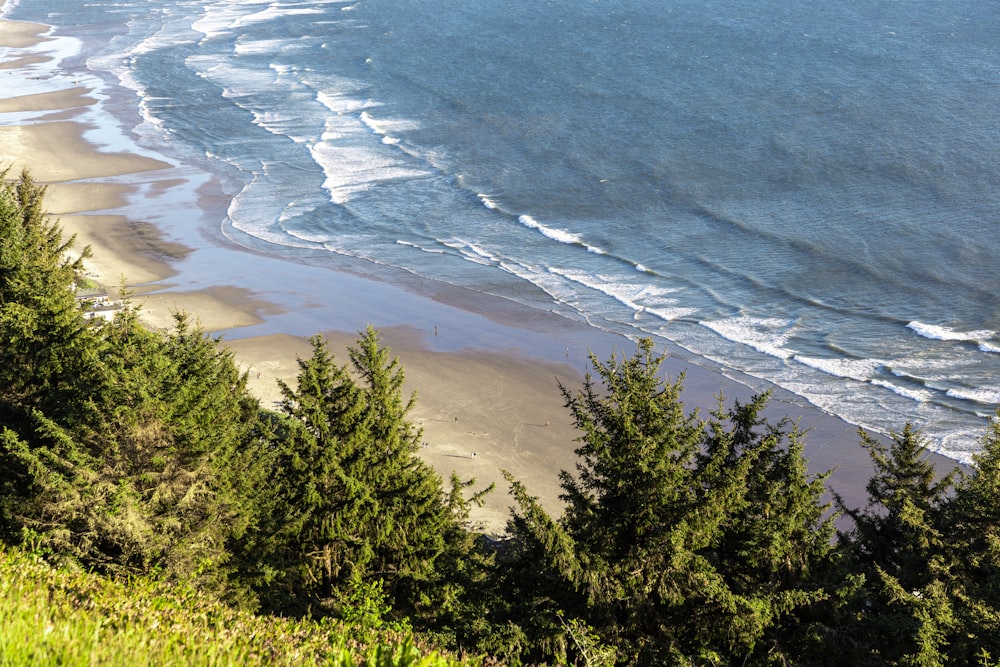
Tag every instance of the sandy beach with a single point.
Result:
(486, 381)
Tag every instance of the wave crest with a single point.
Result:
(767, 335)
(937, 332)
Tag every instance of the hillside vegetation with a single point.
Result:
(154, 513)
(61, 617)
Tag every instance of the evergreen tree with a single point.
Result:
(776, 545)
(185, 434)
(659, 548)
(154, 482)
(973, 524)
(903, 611)
(118, 446)
(360, 506)
(306, 555)
(46, 351)
(47, 357)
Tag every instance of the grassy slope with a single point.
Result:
(53, 616)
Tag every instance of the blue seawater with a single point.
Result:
(805, 193)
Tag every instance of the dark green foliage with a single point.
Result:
(46, 351)
(154, 483)
(187, 437)
(359, 506)
(47, 359)
(682, 541)
(972, 524)
(120, 447)
(903, 612)
(130, 451)
(896, 530)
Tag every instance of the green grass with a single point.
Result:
(55, 616)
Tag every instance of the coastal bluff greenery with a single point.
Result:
(152, 512)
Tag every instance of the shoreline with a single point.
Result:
(486, 381)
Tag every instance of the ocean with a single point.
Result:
(805, 194)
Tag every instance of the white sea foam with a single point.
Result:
(560, 235)
(274, 11)
(477, 253)
(282, 124)
(767, 335)
(986, 346)
(960, 444)
(154, 41)
(670, 314)
(340, 98)
(8, 7)
(639, 297)
(919, 395)
(473, 252)
(350, 170)
(237, 82)
(255, 90)
(854, 369)
(387, 127)
(552, 285)
(936, 332)
(218, 18)
(118, 65)
(989, 396)
(350, 161)
(417, 246)
(223, 17)
(921, 367)
(257, 225)
(246, 47)
(488, 203)
(312, 235)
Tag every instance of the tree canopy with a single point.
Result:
(357, 506)
(683, 540)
